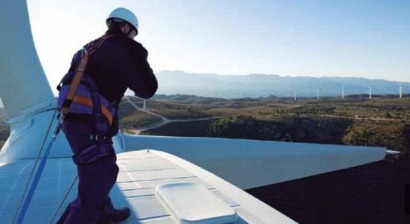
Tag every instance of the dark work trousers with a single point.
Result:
(95, 179)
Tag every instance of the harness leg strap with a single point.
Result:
(93, 152)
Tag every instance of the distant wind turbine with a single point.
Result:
(400, 91)
(370, 91)
(343, 92)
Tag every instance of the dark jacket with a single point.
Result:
(120, 63)
(117, 64)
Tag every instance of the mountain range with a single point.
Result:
(263, 85)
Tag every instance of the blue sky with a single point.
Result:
(346, 38)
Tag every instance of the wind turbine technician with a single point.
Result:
(89, 98)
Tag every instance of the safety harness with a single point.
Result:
(82, 93)
(81, 96)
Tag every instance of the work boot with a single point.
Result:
(117, 215)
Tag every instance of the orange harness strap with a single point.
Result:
(78, 76)
(88, 102)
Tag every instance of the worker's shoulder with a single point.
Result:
(125, 43)
(122, 40)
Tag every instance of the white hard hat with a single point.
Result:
(124, 14)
